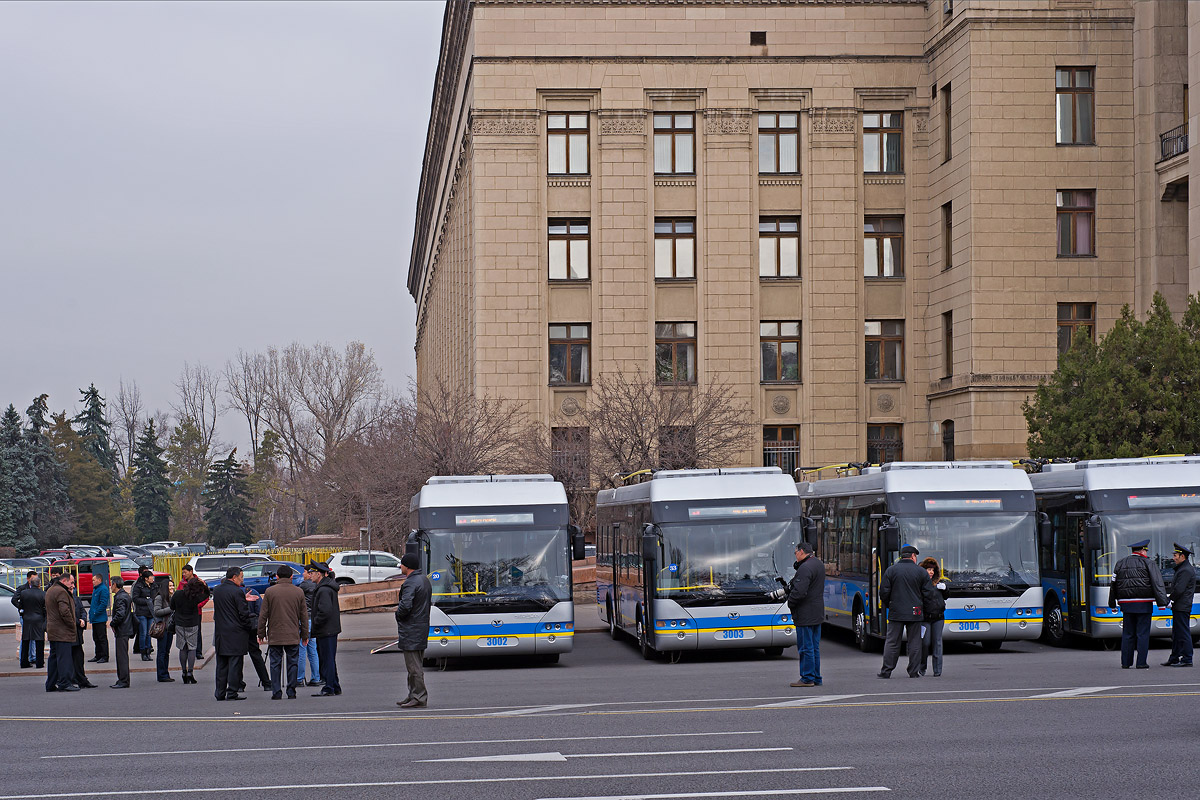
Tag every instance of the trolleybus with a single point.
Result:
(687, 560)
(497, 550)
(976, 518)
(1096, 510)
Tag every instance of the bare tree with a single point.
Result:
(246, 385)
(127, 413)
(199, 394)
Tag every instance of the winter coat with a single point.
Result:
(1183, 587)
(143, 598)
(162, 611)
(60, 613)
(284, 617)
(100, 597)
(412, 612)
(904, 590)
(935, 603)
(123, 624)
(1136, 585)
(806, 592)
(327, 614)
(187, 601)
(31, 603)
(80, 616)
(231, 620)
(310, 589)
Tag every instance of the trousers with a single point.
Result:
(891, 647)
(121, 644)
(1181, 635)
(808, 643)
(327, 654)
(933, 644)
(100, 639)
(278, 653)
(229, 675)
(60, 669)
(416, 675)
(1135, 635)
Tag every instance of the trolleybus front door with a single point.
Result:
(876, 618)
(1078, 619)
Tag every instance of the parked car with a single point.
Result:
(9, 617)
(55, 554)
(198, 548)
(86, 549)
(360, 566)
(257, 574)
(265, 544)
(152, 549)
(135, 548)
(236, 547)
(175, 551)
(167, 543)
(130, 570)
(24, 564)
(212, 566)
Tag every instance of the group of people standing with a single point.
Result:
(1137, 585)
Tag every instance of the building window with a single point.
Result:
(571, 455)
(885, 350)
(947, 344)
(885, 443)
(568, 249)
(674, 248)
(780, 346)
(1074, 106)
(567, 144)
(948, 440)
(946, 112)
(778, 143)
(781, 448)
(883, 142)
(675, 352)
(947, 236)
(674, 144)
(1074, 317)
(569, 350)
(883, 247)
(1076, 223)
(779, 247)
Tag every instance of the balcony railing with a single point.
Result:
(786, 457)
(1174, 142)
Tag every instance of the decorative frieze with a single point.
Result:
(622, 124)
(727, 123)
(504, 124)
(834, 120)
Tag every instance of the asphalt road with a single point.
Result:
(1029, 721)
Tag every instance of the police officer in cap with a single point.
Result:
(1137, 585)
(1183, 589)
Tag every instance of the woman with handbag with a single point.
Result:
(162, 628)
(186, 603)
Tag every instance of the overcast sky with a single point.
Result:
(178, 180)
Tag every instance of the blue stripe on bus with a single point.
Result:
(510, 628)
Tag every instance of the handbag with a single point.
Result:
(158, 628)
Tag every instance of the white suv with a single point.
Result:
(361, 566)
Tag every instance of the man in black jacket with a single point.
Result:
(326, 625)
(903, 592)
(30, 601)
(412, 628)
(806, 602)
(1183, 591)
(77, 650)
(1137, 585)
(124, 627)
(231, 633)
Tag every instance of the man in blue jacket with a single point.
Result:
(98, 616)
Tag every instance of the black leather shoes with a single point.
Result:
(119, 685)
(1181, 664)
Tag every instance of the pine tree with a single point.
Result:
(225, 495)
(151, 488)
(89, 486)
(93, 426)
(189, 464)
(18, 484)
(52, 504)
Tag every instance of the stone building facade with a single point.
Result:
(878, 220)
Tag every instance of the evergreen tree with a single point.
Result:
(52, 504)
(93, 426)
(1135, 393)
(151, 487)
(18, 485)
(225, 495)
(189, 462)
(89, 486)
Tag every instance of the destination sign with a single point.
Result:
(964, 504)
(493, 519)
(718, 512)
(1164, 500)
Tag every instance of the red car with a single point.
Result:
(129, 571)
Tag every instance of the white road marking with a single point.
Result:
(402, 744)
(517, 712)
(755, 793)
(808, 701)
(1076, 692)
(560, 757)
(275, 788)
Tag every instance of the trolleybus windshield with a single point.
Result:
(978, 552)
(727, 561)
(477, 571)
(1162, 527)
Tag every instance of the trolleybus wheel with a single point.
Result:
(550, 658)
(643, 640)
(773, 652)
(612, 620)
(991, 645)
(675, 656)
(1111, 644)
(1052, 623)
(861, 637)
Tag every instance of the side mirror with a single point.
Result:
(1045, 530)
(808, 527)
(889, 532)
(413, 543)
(577, 551)
(650, 542)
(1092, 534)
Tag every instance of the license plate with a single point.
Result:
(733, 634)
(497, 641)
(974, 626)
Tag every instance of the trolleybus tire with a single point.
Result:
(643, 640)
(1110, 644)
(864, 640)
(550, 658)
(773, 652)
(991, 645)
(1053, 630)
(613, 631)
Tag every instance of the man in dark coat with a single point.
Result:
(806, 602)
(903, 592)
(1137, 585)
(30, 601)
(283, 625)
(326, 625)
(231, 633)
(61, 627)
(1183, 591)
(412, 627)
(77, 649)
(124, 628)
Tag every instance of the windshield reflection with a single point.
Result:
(1162, 528)
(977, 551)
(481, 571)
(724, 562)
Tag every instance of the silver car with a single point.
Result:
(8, 612)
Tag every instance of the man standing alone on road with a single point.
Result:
(61, 625)
(1183, 591)
(903, 592)
(231, 633)
(412, 627)
(806, 602)
(326, 625)
(98, 616)
(1137, 585)
(283, 624)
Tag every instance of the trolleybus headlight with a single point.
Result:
(674, 623)
(558, 626)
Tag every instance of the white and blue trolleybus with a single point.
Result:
(977, 518)
(498, 551)
(1096, 510)
(687, 559)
